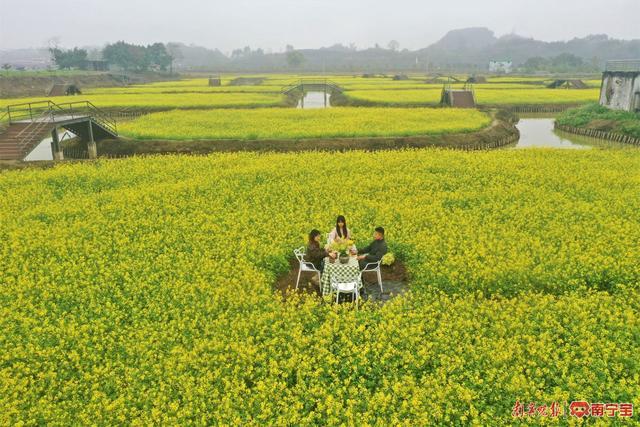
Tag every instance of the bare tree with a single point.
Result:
(53, 42)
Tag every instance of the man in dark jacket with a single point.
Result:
(375, 250)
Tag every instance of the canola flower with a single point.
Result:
(164, 100)
(536, 96)
(172, 90)
(485, 95)
(298, 123)
(388, 259)
(363, 84)
(196, 93)
(398, 97)
(139, 291)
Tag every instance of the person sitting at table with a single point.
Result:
(314, 253)
(375, 250)
(341, 232)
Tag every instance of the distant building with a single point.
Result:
(501, 67)
(620, 88)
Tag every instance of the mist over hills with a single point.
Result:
(480, 45)
(468, 49)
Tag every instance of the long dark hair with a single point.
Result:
(341, 233)
(312, 236)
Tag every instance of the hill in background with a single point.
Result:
(468, 49)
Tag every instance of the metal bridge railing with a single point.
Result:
(49, 111)
(310, 82)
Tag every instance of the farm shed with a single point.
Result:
(567, 84)
(64, 89)
(620, 89)
(477, 79)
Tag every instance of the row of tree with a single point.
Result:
(563, 63)
(129, 57)
(463, 50)
(157, 56)
(69, 59)
(137, 58)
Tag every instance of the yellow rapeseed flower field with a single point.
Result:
(139, 291)
(148, 89)
(485, 95)
(184, 99)
(196, 93)
(398, 97)
(276, 123)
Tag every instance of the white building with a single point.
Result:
(501, 67)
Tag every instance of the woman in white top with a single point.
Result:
(341, 232)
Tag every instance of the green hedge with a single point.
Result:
(595, 116)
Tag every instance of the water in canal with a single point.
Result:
(535, 131)
(538, 131)
(43, 151)
(314, 100)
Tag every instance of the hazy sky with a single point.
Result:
(271, 24)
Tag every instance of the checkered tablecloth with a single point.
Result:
(351, 269)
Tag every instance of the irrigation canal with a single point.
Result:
(535, 131)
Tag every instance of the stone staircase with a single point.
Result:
(458, 98)
(19, 139)
(462, 99)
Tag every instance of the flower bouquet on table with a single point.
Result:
(342, 247)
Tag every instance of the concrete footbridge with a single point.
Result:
(312, 85)
(30, 123)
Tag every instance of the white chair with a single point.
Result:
(305, 265)
(346, 285)
(371, 268)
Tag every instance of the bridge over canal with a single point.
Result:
(301, 87)
(30, 123)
